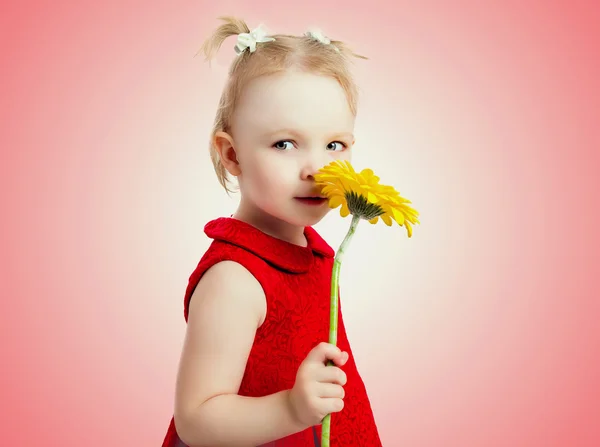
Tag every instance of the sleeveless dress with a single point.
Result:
(296, 281)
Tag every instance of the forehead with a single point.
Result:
(295, 100)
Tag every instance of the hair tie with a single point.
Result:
(249, 40)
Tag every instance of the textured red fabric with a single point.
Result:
(296, 281)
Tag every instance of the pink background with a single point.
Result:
(481, 330)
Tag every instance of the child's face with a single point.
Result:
(285, 128)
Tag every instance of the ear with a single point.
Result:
(225, 148)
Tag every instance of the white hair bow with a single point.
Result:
(318, 35)
(249, 40)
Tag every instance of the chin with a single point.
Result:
(306, 220)
(296, 217)
(312, 222)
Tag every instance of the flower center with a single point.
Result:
(360, 206)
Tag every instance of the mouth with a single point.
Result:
(312, 200)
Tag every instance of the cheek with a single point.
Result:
(271, 174)
(344, 155)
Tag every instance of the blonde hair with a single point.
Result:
(286, 52)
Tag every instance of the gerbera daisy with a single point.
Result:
(361, 195)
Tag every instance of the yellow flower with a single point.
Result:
(361, 195)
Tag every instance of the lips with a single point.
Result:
(312, 200)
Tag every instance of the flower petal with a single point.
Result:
(372, 198)
(408, 228)
(397, 215)
(344, 211)
(387, 219)
(336, 201)
(368, 175)
(329, 189)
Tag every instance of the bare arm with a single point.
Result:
(227, 307)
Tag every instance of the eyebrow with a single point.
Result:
(298, 135)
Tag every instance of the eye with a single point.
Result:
(284, 145)
(336, 146)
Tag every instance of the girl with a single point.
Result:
(253, 368)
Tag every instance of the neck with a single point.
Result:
(269, 224)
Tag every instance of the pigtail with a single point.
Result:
(232, 26)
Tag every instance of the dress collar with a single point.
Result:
(282, 254)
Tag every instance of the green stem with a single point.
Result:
(333, 314)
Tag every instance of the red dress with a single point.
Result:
(296, 282)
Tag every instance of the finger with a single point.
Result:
(341, 361)
(332, 405)
(326, 390)
(325, 351)
(331, 374)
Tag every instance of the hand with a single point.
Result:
(318, 390)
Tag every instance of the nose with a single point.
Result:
(311, 165)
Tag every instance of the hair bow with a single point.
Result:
(249, 40)
(318, 35)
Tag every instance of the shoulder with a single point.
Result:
(228, 285)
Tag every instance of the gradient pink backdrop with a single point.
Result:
(481, 330)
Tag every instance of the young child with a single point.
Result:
(253, 369)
